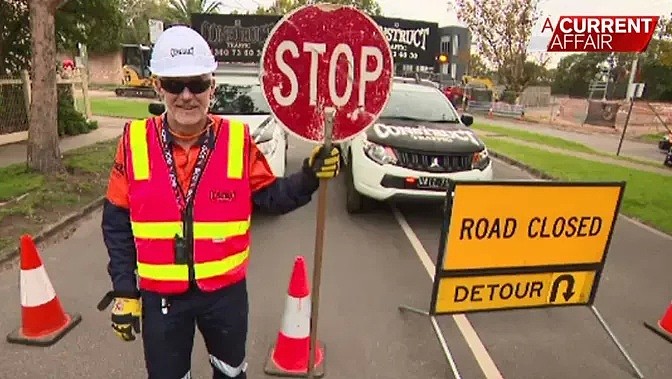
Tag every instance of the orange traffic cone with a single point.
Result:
(43, 321)
(289, 356)
(664, 326)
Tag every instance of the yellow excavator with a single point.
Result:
(137, 80)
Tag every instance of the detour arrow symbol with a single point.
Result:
(556, 285)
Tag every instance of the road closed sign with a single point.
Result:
(523, 244)
(514, 224)
(326, 56)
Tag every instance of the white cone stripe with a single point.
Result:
(35, 287)
(296, 320)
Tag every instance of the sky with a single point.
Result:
(438, 10)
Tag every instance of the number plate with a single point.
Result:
(430, 182)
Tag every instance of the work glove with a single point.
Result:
(126, 312)
(325, 164)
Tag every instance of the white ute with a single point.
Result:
(418, 143)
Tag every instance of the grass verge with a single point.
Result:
(542, 139)
(126, 108)
(647, 195)
(39, 201)
(652, 138)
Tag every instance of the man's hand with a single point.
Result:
(126, 312)
(325, 164)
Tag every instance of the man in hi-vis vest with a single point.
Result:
(178, 209)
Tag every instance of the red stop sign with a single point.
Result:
(326, 55)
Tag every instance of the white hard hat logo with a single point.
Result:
(182, 51)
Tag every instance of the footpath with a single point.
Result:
(602, 142)
(108, 128)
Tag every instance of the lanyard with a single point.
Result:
(203, 154)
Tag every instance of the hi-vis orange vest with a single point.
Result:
(214, 227)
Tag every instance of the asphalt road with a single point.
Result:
(601, 142)
(370, 267)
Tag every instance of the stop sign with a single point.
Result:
(326, 55)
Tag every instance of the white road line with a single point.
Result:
(475, 344)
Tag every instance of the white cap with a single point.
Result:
(180, 52)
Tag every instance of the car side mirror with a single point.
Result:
(156, 108)
(467, 119)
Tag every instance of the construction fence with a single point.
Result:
(537, 104)
(510, 104)
(15, 100)
(608, 116)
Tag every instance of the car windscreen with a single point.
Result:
(239, 99)
(419, 105)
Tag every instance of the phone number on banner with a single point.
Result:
(220, 52)
(404, 54)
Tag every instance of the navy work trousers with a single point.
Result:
(168, 336)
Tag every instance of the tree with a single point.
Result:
(92, 22)
(181, 10)
(14, 41)
(137, 14)
(575, 72)
(96, 23)
(502, 30)
(477, 67)
(44, 153)
(281, 7)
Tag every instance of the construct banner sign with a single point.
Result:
(523, 244)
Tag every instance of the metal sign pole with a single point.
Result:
(319, 244)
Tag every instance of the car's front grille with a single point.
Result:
(433, 162)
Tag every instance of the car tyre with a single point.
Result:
(354, 201)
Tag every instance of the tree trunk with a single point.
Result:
(44, 153)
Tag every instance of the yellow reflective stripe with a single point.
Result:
(216, 268)
(202, 270)
(156, 230)
(202, 230)
(220, 230)
(163, 271)
(236, 145)
(139, 150)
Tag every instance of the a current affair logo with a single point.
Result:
(618, 34)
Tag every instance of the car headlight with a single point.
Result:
(480, 160)
(264, 132)
(263, 137)
(379, 154)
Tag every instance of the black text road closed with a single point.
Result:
(497, 225)
(498, 292)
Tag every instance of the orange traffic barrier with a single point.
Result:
(289, 356)
(43, 321)
(664, 326)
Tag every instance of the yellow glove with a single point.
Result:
(126, 312)
(325, 165)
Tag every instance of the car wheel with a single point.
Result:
(354, 201)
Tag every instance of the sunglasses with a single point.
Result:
(176, 87)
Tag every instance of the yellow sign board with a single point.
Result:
(523, 244)
(528, 224)
(499, 292)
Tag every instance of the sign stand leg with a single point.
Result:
(439, 335)
(319, 245)
(616, 342)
